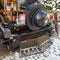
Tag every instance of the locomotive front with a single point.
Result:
(31, 23)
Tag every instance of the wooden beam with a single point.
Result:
(1, 11)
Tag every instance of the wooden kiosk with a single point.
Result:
(10, 7)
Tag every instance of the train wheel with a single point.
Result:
(13, 43)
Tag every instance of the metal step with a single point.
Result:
(36, 46)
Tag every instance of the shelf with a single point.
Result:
(18, 11)
(1, 11)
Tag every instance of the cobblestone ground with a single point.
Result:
(52, 53)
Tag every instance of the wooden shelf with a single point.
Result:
(9, 14)
(18, 11)
(1, 11)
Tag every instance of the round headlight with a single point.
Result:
(40, 18)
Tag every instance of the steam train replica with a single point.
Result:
(29, 24)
